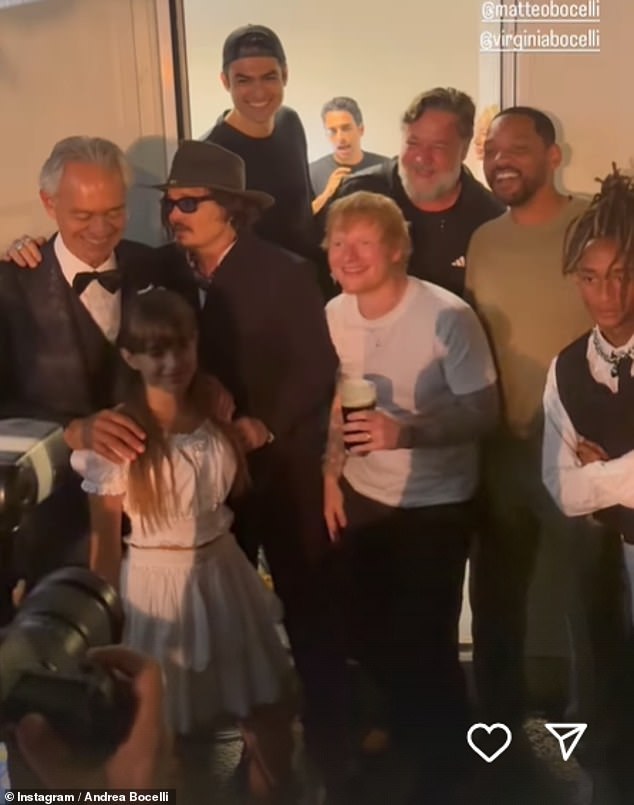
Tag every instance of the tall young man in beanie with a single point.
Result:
(269, 137)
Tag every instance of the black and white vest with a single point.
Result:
(600, 415)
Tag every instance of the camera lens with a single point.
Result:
(43, 664)
(75, 600)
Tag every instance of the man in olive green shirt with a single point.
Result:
(521, 603)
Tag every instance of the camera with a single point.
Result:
(44, 669)
(43, 651)
(33, 460)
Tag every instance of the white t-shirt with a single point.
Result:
(426, 350)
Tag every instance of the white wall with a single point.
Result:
(589, 96)
(382, 58)
(78, 67)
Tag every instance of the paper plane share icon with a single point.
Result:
(568, 736)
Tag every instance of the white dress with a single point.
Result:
(204, 613)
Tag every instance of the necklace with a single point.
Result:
(203, 281)
(613, 358)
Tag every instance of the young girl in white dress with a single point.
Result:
(192, 600)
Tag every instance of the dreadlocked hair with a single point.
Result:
(609, 216)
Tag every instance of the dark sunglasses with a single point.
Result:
(188, 204)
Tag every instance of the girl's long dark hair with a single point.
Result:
(155, 321)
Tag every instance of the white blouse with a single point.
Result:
(204, 468)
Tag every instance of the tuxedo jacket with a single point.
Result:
(55, 363)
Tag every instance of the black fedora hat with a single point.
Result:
(201, 164)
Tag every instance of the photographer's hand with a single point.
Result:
(137, 763)
(109, 433)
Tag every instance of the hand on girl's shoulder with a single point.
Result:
(109, 432)
(222, 406)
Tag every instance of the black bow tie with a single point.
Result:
(110, 280)
(624, 371)
(204, 283)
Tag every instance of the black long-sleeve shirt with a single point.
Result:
(439, 239)
(278, 165)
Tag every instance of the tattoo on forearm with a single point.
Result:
(335, 456)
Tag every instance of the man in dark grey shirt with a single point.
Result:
(344, 127)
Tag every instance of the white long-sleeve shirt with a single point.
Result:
(578, 489)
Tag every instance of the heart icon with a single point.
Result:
(489, 728)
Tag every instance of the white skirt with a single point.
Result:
(208, 618)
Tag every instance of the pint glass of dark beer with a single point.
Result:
(356, 394)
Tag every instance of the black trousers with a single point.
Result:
(404, 572)
(538, 574)
(283, 512)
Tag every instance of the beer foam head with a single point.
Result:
(357, 393)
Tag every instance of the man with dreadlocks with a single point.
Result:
(531, 312)
(588, 454)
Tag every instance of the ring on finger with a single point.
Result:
(19, 245)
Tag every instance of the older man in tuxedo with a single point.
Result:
(57, 328)
(263, 334)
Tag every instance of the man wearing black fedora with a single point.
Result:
(263, 334)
